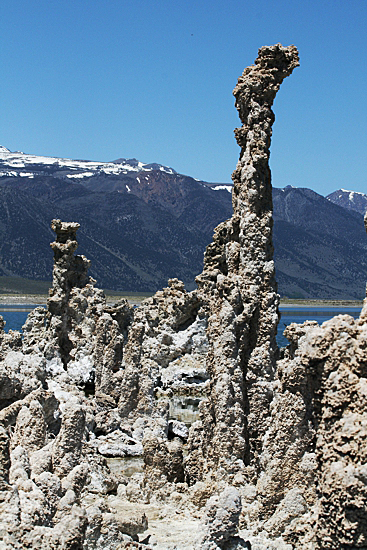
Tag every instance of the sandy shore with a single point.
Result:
(39, 299)
(22, 299)
(322, 304)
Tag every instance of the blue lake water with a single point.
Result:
(320, 314)
(15, 316)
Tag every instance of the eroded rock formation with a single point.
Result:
(179, 424)
(238, 287)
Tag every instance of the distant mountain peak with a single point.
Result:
(143, 166)
(352, 200)
(132, 162)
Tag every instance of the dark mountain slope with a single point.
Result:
(47, 188)
(147, 238)
(132, 245)
(193, 203)
(320, 248)
(25, 235)
(142, 224)
(313, 212)
(312, 266)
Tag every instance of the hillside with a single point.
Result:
(320, 247)
(144, 223)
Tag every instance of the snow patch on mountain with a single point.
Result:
(352, 194)
(81, 175)
(222, 187)
(11, 162)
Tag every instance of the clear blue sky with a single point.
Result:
(98, 80)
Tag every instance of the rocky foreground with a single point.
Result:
(180, 424)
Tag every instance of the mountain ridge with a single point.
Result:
(141, 226)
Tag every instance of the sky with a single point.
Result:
(104, 79)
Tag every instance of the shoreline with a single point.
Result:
(23, 300)
(334, 304)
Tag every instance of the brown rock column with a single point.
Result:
(238, 286)
(69, 271)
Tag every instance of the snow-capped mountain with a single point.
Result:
(352, 200)
(142, 224)
(19, 164)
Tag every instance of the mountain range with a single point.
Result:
(144, 223)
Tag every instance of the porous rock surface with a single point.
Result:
(180, 424)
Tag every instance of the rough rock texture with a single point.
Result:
(179, 424)
(333, 358)
(52, 474)
(166, 335)
(221, 522)
(238, 286)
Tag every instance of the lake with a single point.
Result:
(300, 315)
(15, 316)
